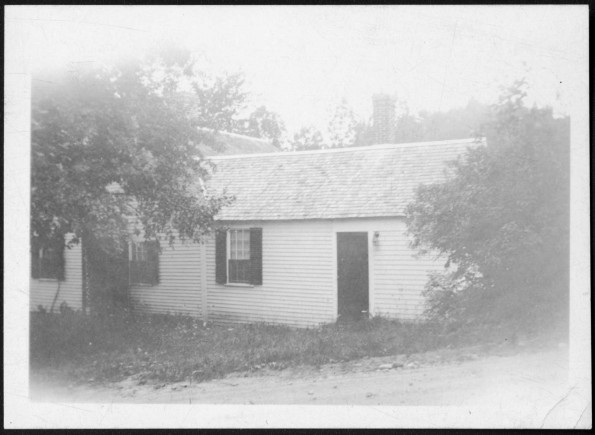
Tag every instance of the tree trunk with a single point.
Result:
(55, 297)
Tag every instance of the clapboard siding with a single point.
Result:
(299, 276)
(298, 287)
(43, 291)
(400, 275)
(178, 291)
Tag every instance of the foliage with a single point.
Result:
(408, 126)
(262, 123)
(502, 219)
(342, 127)
(174, 348)
(345, 130)
(123, 141)
(457, 123)
(364, 134)
(307, 138)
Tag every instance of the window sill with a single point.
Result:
(238, 284)
(142, 284)
(46, 279)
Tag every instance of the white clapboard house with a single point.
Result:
(311, 236)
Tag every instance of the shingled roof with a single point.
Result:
(371, 181)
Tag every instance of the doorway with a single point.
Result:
(352, 275)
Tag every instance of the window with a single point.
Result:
(144, 263)
(239, 256)
(47, 263)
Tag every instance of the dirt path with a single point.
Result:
(440, 378)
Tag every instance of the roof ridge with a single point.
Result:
(229, 133)
(349, 149)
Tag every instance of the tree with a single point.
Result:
(424, 126)
(342, 127)
(408, 127)
(122, 141)
(457, 123)
(307, 138)
(502, 221)
(364, 134)
(262, 123)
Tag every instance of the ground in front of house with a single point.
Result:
(497, 377)
(164, 359)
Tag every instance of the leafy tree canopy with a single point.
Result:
(121, 141)
(502, 220)
(307, 138)
(342, 127)
(425, 126)
(264, 124)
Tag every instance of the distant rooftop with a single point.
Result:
(372, 181)
(232, 144)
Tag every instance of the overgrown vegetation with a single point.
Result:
(502, 221)
(135, 124)
(78, 348)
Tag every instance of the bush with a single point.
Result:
(503, 213)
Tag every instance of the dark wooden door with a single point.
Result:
(352, 279)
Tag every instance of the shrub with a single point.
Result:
(503, 213)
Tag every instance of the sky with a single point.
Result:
(303, 61)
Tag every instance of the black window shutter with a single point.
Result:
(256, 256)
(221, 257)
(153, 261)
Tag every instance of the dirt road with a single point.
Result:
(508, 387)
(438, 378)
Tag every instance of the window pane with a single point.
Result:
(238, 245)
(243, 245)
(232, 244)
(239, 249)
(239, 271)
(244, 248)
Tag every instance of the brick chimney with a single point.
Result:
(383, 118)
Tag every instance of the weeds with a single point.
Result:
(164, 348)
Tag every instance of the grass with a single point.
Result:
(88, 349)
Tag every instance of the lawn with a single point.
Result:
(78, 348)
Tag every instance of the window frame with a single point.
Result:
(134, 251)
(222, 253)
(228, 255)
